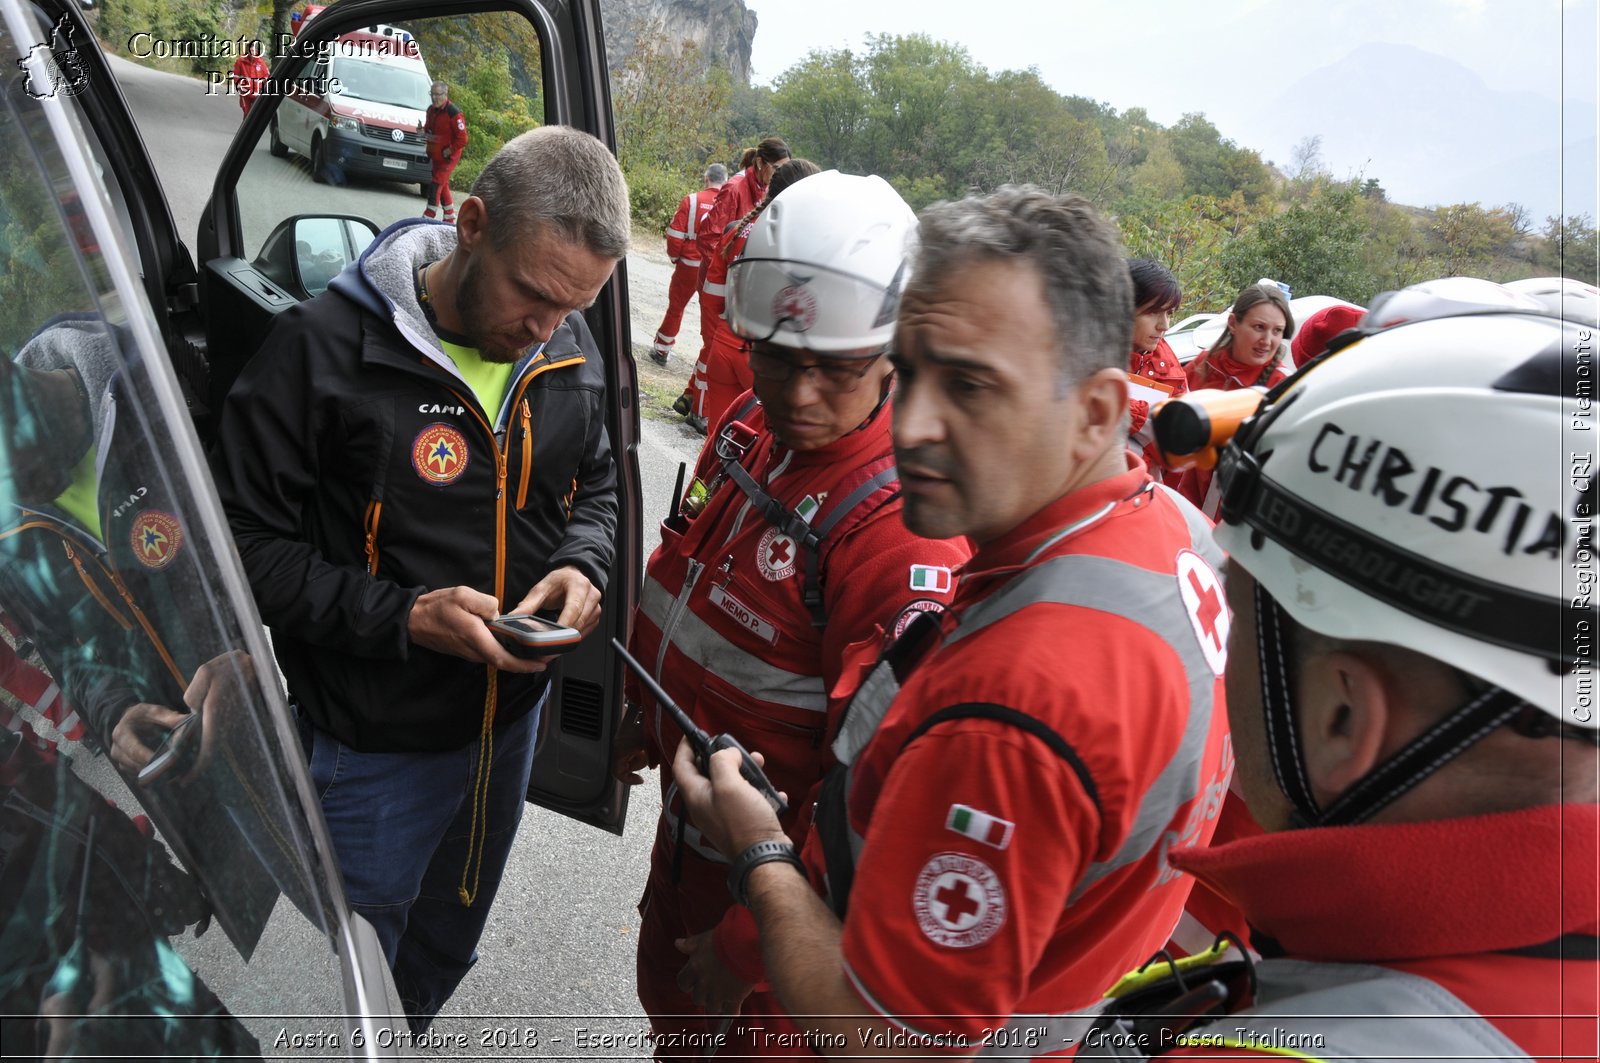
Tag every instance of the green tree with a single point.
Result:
(822, 105)
(1214, 166)
(1571, 248)
(1030, 134)
(1464, 238)
(1314, 246)
(1189, 237)
(915, 83)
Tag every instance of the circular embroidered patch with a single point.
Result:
(439, 454)
(959, 901)
(1208, 609)
(775, 555)
(798, 305)
(911, 611)
(156, 538)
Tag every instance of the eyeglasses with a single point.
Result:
(834, 376)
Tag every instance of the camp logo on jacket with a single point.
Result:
(155, 538)
(439, 454)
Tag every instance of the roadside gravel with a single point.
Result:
(649, 275)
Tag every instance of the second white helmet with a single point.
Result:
(824, 266)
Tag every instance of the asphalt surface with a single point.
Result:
(555, 979)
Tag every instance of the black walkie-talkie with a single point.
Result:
(703, 744)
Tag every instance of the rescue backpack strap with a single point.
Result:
(983, 710)
(831, 820)
(812, 595)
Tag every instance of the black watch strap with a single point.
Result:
(756, 855)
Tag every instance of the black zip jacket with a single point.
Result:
(358, 471)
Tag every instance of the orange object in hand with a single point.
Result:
(1193, 428)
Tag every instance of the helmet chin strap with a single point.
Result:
(1409, 766)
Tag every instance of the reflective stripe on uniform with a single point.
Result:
(1151, 600)
(1142, 596)
(745, 672)
(679, 233)
(712, 288)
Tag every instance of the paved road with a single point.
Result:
(561, 940)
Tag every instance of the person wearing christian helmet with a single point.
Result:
(786, 560)
(1411, 578)
(1014, 773)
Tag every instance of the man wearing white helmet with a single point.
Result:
(1413, 663)
(785, 559)
(1014, 773)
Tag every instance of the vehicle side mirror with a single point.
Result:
(304, 253)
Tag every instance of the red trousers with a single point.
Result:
(727, 371)
(685, 282)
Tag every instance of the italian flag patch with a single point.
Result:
(980, 826)
(931, 578)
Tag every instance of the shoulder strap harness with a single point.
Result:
(881, 485)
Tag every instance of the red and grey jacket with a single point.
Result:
(1409, 949)
(734, 200)
(358, 470)
(714, 286)
(683, 245)
(724, 621)
(445, 127)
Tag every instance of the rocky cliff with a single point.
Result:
(722, 30)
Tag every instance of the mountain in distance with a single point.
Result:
(1432, 132)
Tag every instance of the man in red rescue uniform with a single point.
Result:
(1423, 761)
(444, 130)
(249, 71)
(683, 247)
(992, 848)
(787, 557)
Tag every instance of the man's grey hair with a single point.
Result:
(439, 86)
(1077, 254)
(716, 174)
(561, 178)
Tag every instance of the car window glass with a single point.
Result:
(161, 885)
(350, 139)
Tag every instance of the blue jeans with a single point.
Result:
(402, 828)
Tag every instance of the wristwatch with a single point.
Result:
(753, 857)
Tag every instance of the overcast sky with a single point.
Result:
(1150, 53)
(1216, 56)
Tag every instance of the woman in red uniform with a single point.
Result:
(1250, 352)
(727, 367)
(1153, 370)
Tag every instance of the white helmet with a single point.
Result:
(1563, 297)
(1412, 489)
(1443, 297)
(824, 266)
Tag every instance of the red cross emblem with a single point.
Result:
(1208, 612)
(775, 555)
(958, 900)
(797, 305)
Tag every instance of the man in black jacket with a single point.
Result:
(413, 452)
